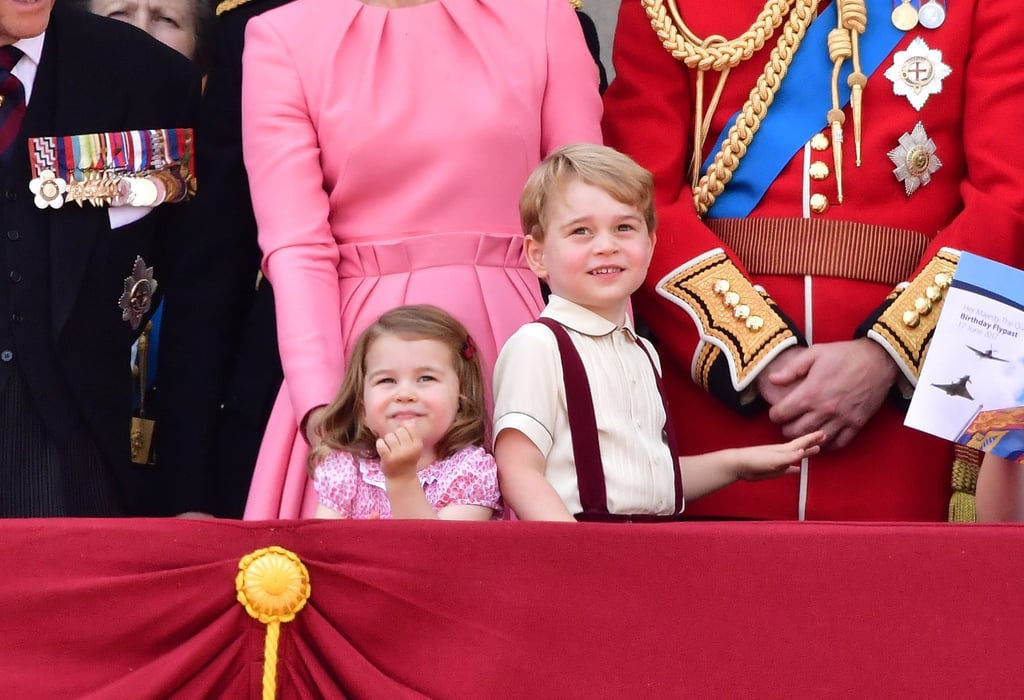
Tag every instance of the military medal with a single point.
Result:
(141, 192)
(96, 188)
(904, 16)
(932, 14)
(48, 190)
(917, 73)
(142, 168)
(175, 189)
(142, 425)
(137, 298)
(915, 159)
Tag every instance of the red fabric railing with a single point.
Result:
(147, 609)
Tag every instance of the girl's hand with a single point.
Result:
(769, 461)
(399, 453)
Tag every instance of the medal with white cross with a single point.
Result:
(917, 73)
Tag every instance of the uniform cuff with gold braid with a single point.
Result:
(904, 324)
(741, 329)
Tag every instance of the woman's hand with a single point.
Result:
(313, 420)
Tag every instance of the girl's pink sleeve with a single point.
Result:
(473, 481)
(335, 480)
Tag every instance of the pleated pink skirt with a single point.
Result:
(481, 279)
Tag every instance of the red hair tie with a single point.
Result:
(468, 348)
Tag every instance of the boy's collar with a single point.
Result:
(581, 319)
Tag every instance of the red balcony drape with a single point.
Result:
(99, 609)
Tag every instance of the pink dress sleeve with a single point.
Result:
(300, 254)
(470, 478)
(571, 112)
(335, 481)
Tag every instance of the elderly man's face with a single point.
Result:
(20, 19)
(173, 22)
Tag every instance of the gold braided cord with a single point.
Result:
(843, 45)
(270, 660)
(714, 52)
(719, 54)
(840, 48)
(683, 45)
(854, 18)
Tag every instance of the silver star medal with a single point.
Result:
(915, 159)
(137, 297)
(917, 73)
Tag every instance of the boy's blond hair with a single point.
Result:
(620, 176)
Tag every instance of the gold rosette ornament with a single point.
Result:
(273, 586)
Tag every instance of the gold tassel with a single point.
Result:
(966, 465)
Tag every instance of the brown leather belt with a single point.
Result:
(823, 247)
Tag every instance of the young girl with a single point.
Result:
(404, 437)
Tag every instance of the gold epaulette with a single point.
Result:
(736, 318)
(576, 4)
(906, 325)
(228, 5)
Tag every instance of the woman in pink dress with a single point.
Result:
(386, 143)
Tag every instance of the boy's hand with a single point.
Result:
(399, 453)
(769, 461)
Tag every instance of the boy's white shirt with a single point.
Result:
(529, 392)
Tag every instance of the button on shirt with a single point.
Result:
(529, 394)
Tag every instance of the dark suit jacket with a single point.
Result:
(219, 370)
(95, 75)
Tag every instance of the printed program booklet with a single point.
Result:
(971, 388)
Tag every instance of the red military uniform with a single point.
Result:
(875, 264)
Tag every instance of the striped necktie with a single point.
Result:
(12, 98)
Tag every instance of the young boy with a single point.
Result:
(580, 418)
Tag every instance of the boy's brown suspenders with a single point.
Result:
(585, 446)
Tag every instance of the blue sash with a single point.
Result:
(800, 106)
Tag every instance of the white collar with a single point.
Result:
(581, 319)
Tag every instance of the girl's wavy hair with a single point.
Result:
(343, 426)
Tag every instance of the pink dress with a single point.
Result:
(355, 487)
(386, 150)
